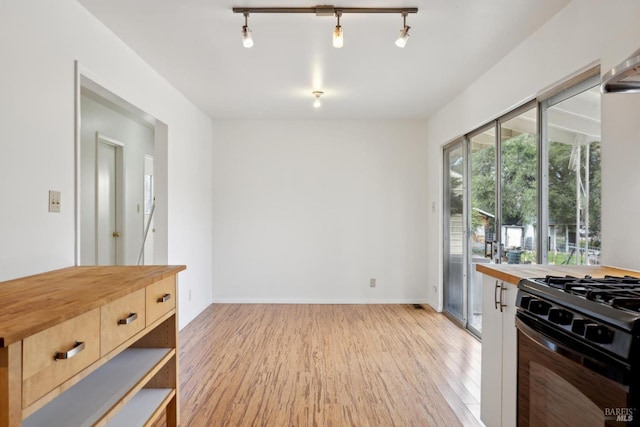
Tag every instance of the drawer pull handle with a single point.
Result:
(164, 298)
(77, 348)
(128, 320)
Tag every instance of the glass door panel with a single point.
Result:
(483, 241)
(519, 188)
(573, 150)
(454, 231)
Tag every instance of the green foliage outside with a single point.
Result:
(562, 188)
(520, 188)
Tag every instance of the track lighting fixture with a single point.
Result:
(338, 39)
(317, 94)
(247, 39)
(402, 39)
(327, 10)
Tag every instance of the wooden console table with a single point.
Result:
(90, 346)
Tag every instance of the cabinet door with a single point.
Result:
(491, 379)
(509, 356)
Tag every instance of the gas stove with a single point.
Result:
(600, 312)
(578, 351)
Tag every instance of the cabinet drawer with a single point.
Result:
(161, 298)
(121, 319)
(56, 354)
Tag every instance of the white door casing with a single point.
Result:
(149, 200)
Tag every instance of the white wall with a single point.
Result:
(585, 32)
(39, 41)
(310, 211)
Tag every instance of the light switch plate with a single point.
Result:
(54, 201)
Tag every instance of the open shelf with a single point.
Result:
(87, 402)
(140, 408)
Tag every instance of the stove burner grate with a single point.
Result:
(621, 292)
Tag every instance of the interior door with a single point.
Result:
(108, 203)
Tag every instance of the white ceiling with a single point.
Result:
(196, 46)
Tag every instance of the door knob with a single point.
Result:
(116, 234)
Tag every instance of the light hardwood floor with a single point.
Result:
(327, 365)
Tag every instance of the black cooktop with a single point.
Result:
(616, 291)
(613, 299)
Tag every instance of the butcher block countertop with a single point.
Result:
(31, 304)
(513, 273)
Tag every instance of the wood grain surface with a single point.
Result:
(31, 304)
(327, 365)
(513, 273)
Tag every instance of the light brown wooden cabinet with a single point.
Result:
(90, 346)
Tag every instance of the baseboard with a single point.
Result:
(317, 301)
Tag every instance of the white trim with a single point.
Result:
(76, 153)
(111, 141)
(318, 301)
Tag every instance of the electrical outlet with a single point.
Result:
(435, 289)
(54, 201)
(189, 295)
(372, 283)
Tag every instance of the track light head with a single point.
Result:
(247, 39)
(403, 37)
(338, 38)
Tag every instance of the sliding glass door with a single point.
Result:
(483, 240)
(571, 124)
(454, 242)
(491, 207)
(519, 186)
(523, 189)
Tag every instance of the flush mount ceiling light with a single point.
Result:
(317, 94)
(247, 39)
(402, 39)
(327, 10)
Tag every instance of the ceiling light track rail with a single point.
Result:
(325, 10)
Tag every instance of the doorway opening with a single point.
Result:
(121, 185)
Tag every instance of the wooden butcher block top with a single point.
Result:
(31, 304)
(513, 273)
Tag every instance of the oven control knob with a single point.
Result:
(560, 316)
(539, 307)
(524, 302)
(578, 326)
(598, 333)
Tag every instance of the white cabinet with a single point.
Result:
(499, 353)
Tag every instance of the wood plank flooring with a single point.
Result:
(327, 365)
